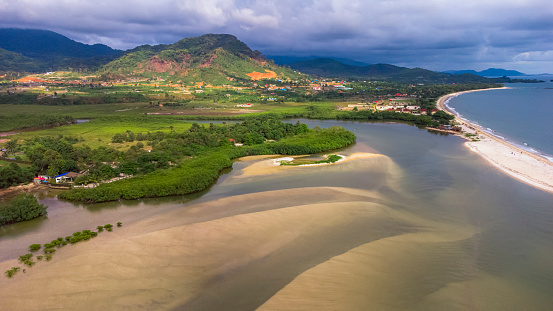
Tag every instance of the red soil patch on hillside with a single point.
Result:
(208, 61)
(266, 75)
(156, 64)
(30, 79)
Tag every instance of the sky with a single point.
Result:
(432, 34)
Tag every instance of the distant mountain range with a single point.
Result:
(490, 72)
(211, 58)
(285, 60)
(41, 50)
(326, 67)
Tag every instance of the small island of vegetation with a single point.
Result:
(50, 248)
(329, 159)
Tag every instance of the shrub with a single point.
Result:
(11, 272)
(34, 247)
(25, 257)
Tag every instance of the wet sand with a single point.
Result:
(167, 268)
(520, 164)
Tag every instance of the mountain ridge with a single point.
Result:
(490, 72)
(329, 68)
(213, 57)
(45, 50)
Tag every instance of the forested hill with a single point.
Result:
(214, 58)
(325, 67)
(12, 61)
(35, 50)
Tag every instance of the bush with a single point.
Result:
(21, 208)
(12, 271)
(25, 257)
(34, 247)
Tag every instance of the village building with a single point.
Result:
(67, 177)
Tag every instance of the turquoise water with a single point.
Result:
(522, 114)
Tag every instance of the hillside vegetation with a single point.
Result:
(212, 58)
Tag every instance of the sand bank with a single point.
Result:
(171, 268)
(273, 165)
(518, 163)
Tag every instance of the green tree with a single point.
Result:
(21, 208)
(11, 146)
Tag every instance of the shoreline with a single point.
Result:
(516, 162)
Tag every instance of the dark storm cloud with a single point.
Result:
(434, 34)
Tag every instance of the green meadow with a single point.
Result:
(99, 132)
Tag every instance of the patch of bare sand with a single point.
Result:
(257, 157)
(270, 167)
(166, 268)
(22, 188)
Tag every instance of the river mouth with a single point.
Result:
(422, 226)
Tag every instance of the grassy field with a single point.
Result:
(99, 132)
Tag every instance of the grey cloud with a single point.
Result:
(431, 34)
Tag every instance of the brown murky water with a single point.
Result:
(426, 226)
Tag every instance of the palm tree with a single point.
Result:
(11, 146)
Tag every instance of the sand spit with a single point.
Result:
(518, 163)
(273, 166)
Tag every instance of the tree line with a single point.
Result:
(199, 172)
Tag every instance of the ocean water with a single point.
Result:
(522, 114)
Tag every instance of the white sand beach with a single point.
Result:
(518, 163)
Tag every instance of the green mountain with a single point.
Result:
(12, 61)
(47, 50)
(330, 68)
(213, 58)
